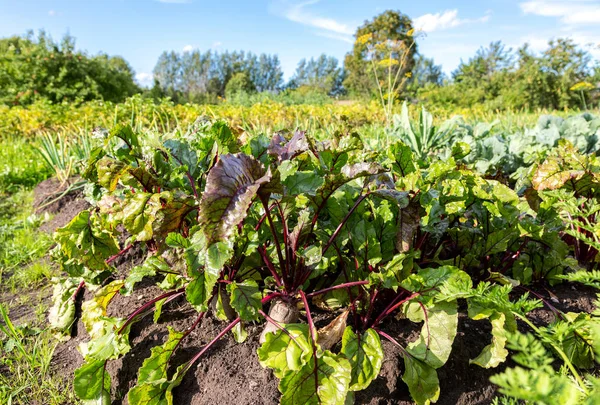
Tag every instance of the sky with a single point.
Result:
(140, 30)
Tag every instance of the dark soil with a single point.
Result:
(229, 373)
(63, 209)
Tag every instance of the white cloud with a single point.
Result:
(188, 48)
(297, 13)
(328, 27)
(572, 12)
(144, 79)
(216, 44)
(333, 35)
(51, 13)
(441, 21)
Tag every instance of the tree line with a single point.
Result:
(384, 63)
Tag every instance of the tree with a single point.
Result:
(38, 68)
(383, 45)
(426, 72)
(202, 76)
(321, 74)
(239, 83)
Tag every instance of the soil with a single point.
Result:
(229, 373)
(63, 209)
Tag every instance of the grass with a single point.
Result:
(26, 347)
(21, 244)
(26, 376)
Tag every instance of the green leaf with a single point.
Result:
(155, 367)
(92, 382)
(437, 334)
(322, 381)
(286, 350)
(402, 158)
(158, 392)
(62, 314)
(540, 387)
(199, 291)
(365, 354)
(302, 182)
(139, 214)
(183, 155)
(93, 310)
(170, 217)
(245, 299)
(110, 172)
(86, 241)
(108, 342)
(231, 186)
(422, 381)
(494, 353)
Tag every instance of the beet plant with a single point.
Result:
(276, 229)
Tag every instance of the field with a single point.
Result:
(298, 254)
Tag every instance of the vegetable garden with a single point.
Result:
(316, 250)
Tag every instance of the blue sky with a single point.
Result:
(139, 30)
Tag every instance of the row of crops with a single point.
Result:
(411, 226)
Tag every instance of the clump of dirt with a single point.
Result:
(48, 197)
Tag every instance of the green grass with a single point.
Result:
(21, 165)
(25, 351)
(21, 244)
(25, 376)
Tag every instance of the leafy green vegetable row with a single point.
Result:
(272, 229)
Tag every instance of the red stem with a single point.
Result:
(79, 287)
(270, 297)
(130, 318)
(275, 240)
(391, 339)
(212, 342)
(125, 250)
(341, 225)
(391, 308)
(313, 340)
(336, 287)
(263, 253)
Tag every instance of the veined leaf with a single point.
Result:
(323, 383)
(174, 208)
(245, 299)
(286, 350)
(287, 150)
(231, 186)
(86, 241)
(422, 381)
(108, 342)
(494, 353)
(62, 314)
(140, 213)
(93, 310)
(437, 334)
(92, 382)
(158, 392)
(365, 354)
(155, 367)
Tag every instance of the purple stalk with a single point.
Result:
(113, 258)
(212, 342)
(311, 327)
(130, 318)
(275, 238)
(336, 287)
(391, 308)
(341, 225)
